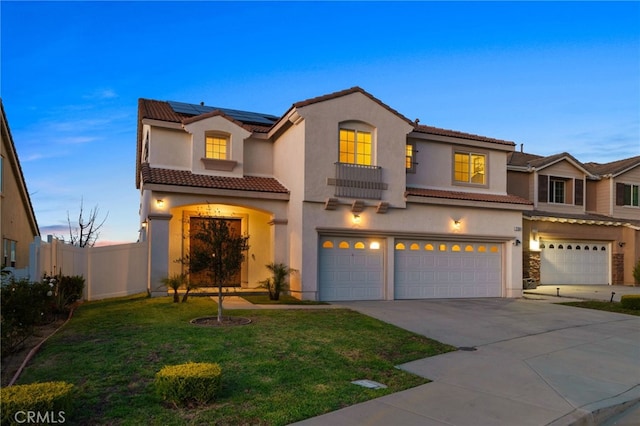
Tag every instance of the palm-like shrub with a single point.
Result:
(277, 283)
(175, 282)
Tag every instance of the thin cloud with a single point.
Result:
(101, 94)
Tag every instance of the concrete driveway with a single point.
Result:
(524, 362)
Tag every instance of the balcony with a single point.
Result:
(356, 181)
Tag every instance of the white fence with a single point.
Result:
(108, 271)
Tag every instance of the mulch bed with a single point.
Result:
(226, 321)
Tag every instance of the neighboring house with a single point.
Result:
(365, 203)
(585, 226)
(18, 226)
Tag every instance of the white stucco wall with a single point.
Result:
(236, 135)
(435, 167)
(169, 148)
(322, 124)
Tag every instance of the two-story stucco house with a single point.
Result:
(18, 226)
(365, 203)
(585, 226)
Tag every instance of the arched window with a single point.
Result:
(560, 246)
(428, 247)
(359, 245)
(343, 245)
(327, 244)
(414, 246)
(468, 248)
(482, 249)
(455, 247)
(569, 247)
(494, 249)
(400, 246)
(442, 247)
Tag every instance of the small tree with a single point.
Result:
(278, 281)
(219, 253)
(86, 233)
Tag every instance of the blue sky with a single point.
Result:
(553, 76)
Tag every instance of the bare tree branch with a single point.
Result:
(86, 233)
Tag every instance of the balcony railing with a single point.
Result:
(356, 181)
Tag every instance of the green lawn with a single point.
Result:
(603, 306)
(285, 299)
(287, 365)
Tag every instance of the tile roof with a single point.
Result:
(420, 128)
(467, 196)
(614, 167)
(578, 218)
(186, 178)
(354, 89)
(522, 159)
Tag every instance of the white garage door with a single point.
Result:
(574, 262)
(441, 269)
(351, 269)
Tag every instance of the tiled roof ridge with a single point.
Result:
(176, 177)
(421, 128)
(351, 90)
(467, 196)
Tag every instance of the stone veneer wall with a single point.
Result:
(618, 268)
(531, 265)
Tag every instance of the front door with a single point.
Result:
(203, 278)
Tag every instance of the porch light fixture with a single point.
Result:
(457, 223)
(356, 218)
(160, 202)
(144, 224)
(375, 245)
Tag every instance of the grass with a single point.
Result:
(603, 306)
(285, 299)
(287, 365)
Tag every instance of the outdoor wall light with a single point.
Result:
(144, 224)
(517, 242)
(356, 218)
(160, 202)
(457, 223)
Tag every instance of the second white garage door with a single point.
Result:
(441, 269)
(574, 262)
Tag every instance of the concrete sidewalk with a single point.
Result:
(525, 362)
(583, 292)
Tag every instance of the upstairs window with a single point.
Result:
(410, 162)
(556, 191)
(631, 195)
(217, 147)
(355, 147)
(469, 168)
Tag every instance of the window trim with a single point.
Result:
(469, 153)
(217, 135)
(552, 190)
(631, 194)
(410, 160)
(358, 127)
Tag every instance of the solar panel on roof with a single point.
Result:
(243, 116)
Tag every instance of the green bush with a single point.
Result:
(66, 290)
(191, 383)
(630, 301)
(23, 305)
(636, 272)
(41, 403)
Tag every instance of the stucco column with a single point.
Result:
(158, 240)
(279, 241)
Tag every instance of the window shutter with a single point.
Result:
(579, 192)
(619, 194)
(543, 188)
